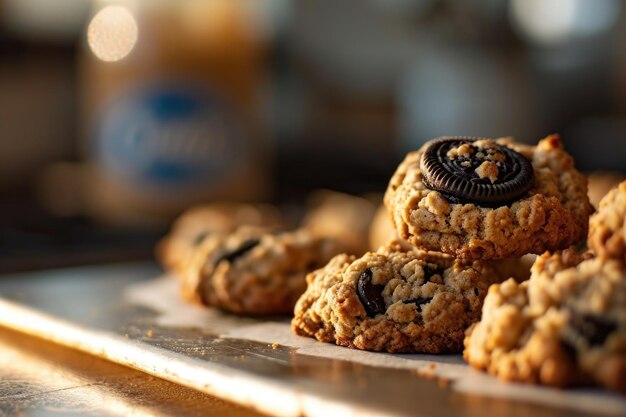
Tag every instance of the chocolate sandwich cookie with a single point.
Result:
(395, 300)
(607, 227)
(565, 326)
(253, 271)
(481, 172)
(489, 199)
(199, 222)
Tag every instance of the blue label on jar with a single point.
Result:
(169, 135)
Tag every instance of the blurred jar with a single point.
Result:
(173, 112)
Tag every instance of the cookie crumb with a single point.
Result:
(463, 151)
(275, 345)
(443, 382)
(150, 333)
(426, 373)
(489, 170)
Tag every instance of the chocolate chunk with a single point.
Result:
(569, 349)
(456, 178)
(594, 329)
(419, 302)
(239, 252)
(429, 272)
(370, 294)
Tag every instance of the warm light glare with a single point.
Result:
(112, 33)
(551, 22)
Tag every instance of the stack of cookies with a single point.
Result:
(461, 206)
(461, 218)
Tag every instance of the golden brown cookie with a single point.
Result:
(395, 300)
(195, 224)
(565, 326)
(252, 271)
(485, 199)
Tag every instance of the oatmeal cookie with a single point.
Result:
(195, 224)
(565, 326)
(251, 271)
(395, 300)
(607, 227)
(489, 199)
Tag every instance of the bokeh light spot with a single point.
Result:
(552, 22)
(112, 33)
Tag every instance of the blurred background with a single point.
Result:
(117, 115)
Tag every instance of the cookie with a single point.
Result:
(195, 224)
(565, 326)
(489, 199)
(395, 300)
(607, 227)
(252, 271)
(341, 216)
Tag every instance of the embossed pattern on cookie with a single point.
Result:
(474, 170)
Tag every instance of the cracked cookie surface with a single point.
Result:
(553, 214)
(565, 326)
(395, 299)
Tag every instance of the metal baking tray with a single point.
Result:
(131, 314)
